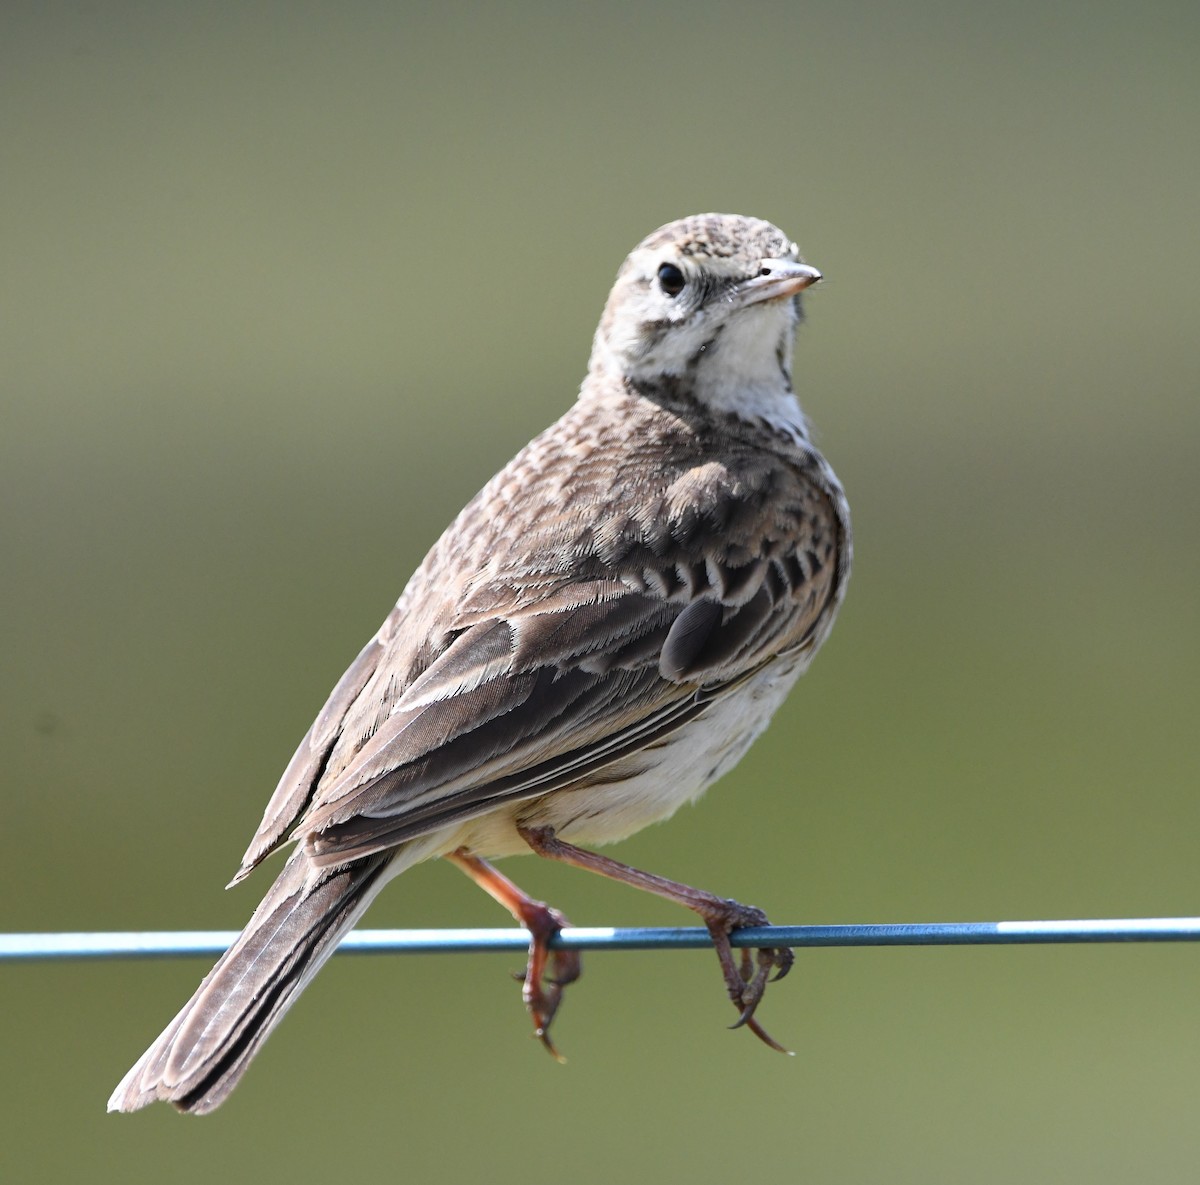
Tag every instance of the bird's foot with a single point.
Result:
(549, 970)
(747, 976)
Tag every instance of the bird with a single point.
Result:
(599, 636)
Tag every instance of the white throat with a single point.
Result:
(743, 371)
(739, 363)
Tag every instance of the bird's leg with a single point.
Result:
(548, 971)
(744, 981)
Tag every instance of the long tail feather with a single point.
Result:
(201, 1055)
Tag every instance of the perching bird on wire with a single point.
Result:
(600, 635)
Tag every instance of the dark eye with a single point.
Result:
(671, 279)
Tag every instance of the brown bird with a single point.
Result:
(600, 635)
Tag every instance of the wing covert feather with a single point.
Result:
(508, 669)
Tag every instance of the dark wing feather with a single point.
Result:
(364, 833)
(473, 717)
(525, 730)
(303, 772)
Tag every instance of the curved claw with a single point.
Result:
(783, 959)
(746, 1017)
(748, 1020)
(542, 1033)
(745, 982)
(547, 973)
(766, 1037)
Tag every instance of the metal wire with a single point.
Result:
(171, 944)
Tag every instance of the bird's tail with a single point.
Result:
(201, 1055)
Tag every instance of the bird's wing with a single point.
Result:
(527, 702)
(530, 681)
(295, 788)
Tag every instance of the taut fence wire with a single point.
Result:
(177, 944)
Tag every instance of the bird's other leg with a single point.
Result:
(745, 978)
(548, 971)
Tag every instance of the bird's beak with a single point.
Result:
(777, 279)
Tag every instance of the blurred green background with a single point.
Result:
(282, 285)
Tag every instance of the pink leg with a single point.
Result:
(542, 992)
(743, 981)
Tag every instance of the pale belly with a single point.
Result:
(645, 788)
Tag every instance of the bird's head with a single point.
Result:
(712, 301)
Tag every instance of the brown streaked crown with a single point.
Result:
(734, 237)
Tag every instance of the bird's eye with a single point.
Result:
(671, 279)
